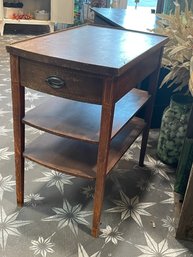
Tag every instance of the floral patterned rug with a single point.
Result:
(138, 212)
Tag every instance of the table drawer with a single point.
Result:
(61, 82)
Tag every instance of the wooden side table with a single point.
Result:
(140, 19)
(93, 73)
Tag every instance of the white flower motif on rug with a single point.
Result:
(83, 253)
(33, 199)
(32, 96)
(6, 185)
(169, 223)
(169, 200)
(157, 167)
(42, 246)
(29, 165)
(127, 156)
(4, 154)
(130, 207)
(54, 178)
(150, 186)
(9, 225)
(136, 143)
(88, 191)
(28, 108)
(153, 249)
(111, 235)
(69, 216)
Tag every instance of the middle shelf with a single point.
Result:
(81, 121)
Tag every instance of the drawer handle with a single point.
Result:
(55, 82)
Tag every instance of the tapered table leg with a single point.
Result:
(18, 102)
(152, 81)
(103, 152)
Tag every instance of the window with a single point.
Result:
(143, 3)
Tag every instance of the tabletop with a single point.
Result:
(89, 47)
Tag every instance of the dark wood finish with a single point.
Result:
(62, 117)
(18, 104)
(77, 85)
(94, 72)
(103, 156)
(134, 75)
(89, 51)
(140, 19)
(151, 81)
(79, 158)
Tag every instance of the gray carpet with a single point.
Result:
(138, 212)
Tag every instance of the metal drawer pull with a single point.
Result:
(55, 82)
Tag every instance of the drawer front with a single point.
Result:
(61, 82)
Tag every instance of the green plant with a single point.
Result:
(178, 52)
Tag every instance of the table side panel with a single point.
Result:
(135, 75)
(78, 85)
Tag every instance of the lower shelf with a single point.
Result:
(79, 158)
